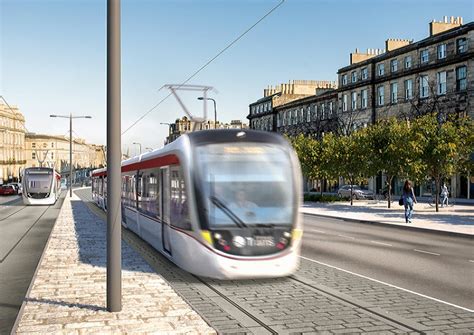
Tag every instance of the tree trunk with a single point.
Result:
(321, 183)
(437, 182)
(389, 189)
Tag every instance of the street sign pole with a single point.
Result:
(114, 215)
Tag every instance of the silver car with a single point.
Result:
(357, 192)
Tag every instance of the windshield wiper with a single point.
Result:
(219, 204)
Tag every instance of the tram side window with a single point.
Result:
(101, 186)
(128, 191)
(149, 192)
(179, 205)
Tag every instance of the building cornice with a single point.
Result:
(414, 46)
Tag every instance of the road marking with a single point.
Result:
(352, 238)
(381, 243)
(314, 231)
(471, 261)
(391, 285)
(426, 252)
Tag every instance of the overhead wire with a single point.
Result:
(205, 65)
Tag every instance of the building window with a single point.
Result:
(330, 107)
(461, 45)
(52, 145)
(408, 89)
(353, 100)
(52, 155)
(33, 155)
(407, 62)
(381, 69)
(363, 99)
(393, 65)
(344, 103)
(461, 75)
(264, 107)
(441, 51)
(365, 73)
(380, 95)
(441, 78)
(354, 76)
(424, 56)
(424, 89)
(308, 114)
(394, 93)
(344, 79)
(323, 109)
(33, 145)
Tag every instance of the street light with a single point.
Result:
(70, 117)
(140, 145)
(215, 111)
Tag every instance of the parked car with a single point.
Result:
(7, 190)
(357, 192)
(18, 187)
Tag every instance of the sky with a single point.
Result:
(53, 54)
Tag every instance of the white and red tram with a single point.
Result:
(41, 186)
(220, 203)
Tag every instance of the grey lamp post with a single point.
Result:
(139, 145)
(70, 117)
(215, 110)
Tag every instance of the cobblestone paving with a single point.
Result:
(435, 316)
(69, 292)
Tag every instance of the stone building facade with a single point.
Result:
(53, 151)
(261, 112)
(185, 125)
(409, 79)
(405, 80)
(12, 140)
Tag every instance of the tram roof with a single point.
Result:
(205, 137)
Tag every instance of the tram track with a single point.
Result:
(24, 234)
(11, 214)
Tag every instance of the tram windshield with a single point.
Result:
(39, 180)
(246, 184)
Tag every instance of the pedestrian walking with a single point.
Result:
(444, 194)
(409, 200)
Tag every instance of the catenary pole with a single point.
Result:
(114, 156)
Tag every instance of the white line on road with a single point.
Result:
(391, 285)
(381, 243)
(426, 252)
(471, 261)
(315, 231)
(352, 238)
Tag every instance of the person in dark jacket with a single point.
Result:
(409, 200)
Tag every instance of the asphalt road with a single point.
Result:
(24, 231)
(428, 263)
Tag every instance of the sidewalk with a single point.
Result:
(68, 293)
(457, 219)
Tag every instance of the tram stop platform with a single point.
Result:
(457, 219)
(68, 292)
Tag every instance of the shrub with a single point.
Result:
(321, 198)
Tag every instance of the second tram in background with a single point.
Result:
(220, 203)
(41, 186)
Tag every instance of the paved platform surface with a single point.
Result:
(68, 294)
(456, 219)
